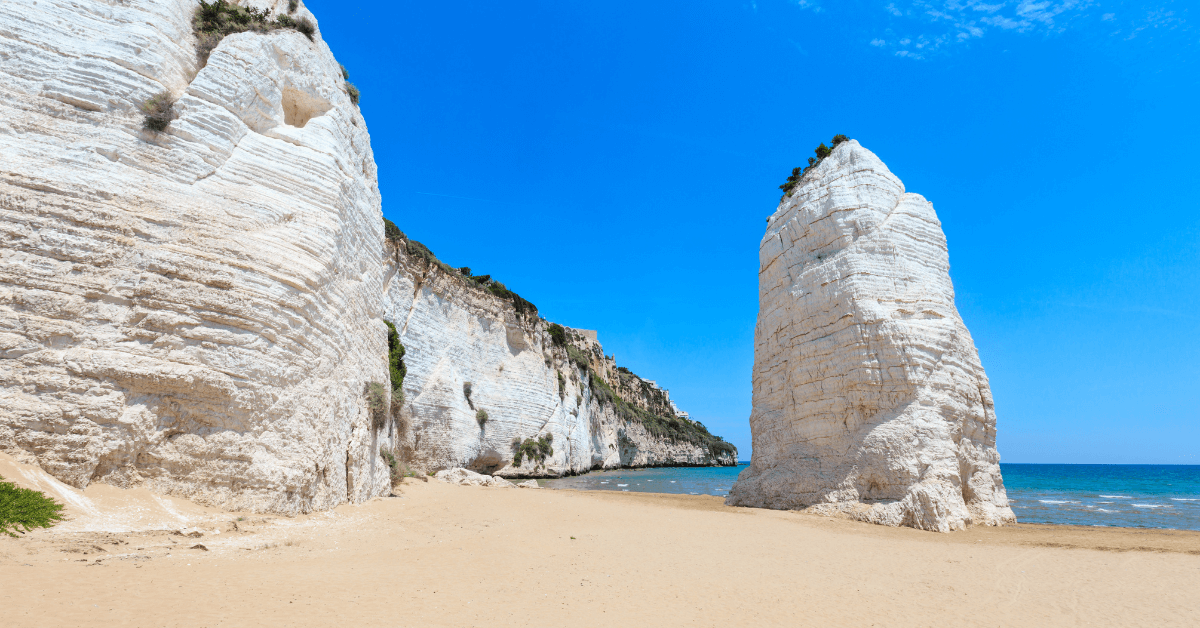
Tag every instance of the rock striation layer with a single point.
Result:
(868, 395)
(594, 414)
(196, 311)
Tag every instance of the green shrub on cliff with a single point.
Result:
(481, 417)
(212, 21)
(159, 111)
(22, 509)
(534, 449)
(822, 152)
(392, 232)
(558, 335)
(396, 367)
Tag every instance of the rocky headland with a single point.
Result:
(196, 284)
(869, 399)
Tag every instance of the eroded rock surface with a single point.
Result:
(197, 310)
(869, 397)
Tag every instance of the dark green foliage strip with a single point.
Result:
(22, 509)
(396, 368)
(392, 232)
(420, 251)
(673, 428)
(533, 449)
(822, 152)
(557, 334)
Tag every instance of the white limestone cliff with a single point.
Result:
(199, 311)
(456, 332)
(869, 398)
(195, 311)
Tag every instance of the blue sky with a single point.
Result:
(614, 163)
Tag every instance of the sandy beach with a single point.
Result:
(443, 555)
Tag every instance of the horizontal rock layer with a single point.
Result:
(868, 395)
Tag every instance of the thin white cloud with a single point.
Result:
(920, 29)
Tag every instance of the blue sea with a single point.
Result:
(1135, 496)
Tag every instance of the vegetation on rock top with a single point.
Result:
(415, 249)
(798, 173)
(214, 20)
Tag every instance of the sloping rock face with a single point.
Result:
(869, 397)
(455, 333)
(195, 311)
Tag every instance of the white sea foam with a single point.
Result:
(622, 485)
(1103, 502)
(1184, 499)
(1055, 501)
(1116, 497)
(1151, 506)
(1103, 510)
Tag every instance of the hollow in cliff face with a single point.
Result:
(869, 398)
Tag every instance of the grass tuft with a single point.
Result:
(23, 509)
(377, 403)
(159, 111)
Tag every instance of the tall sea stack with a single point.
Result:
(869, 397)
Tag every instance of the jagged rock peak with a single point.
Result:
(869, 399)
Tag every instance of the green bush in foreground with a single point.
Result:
(481, 417)
(22, 509)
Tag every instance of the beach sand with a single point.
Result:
(442, 555)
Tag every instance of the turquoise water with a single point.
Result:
(1125, 495)
(1138, 496)
(685, 480)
